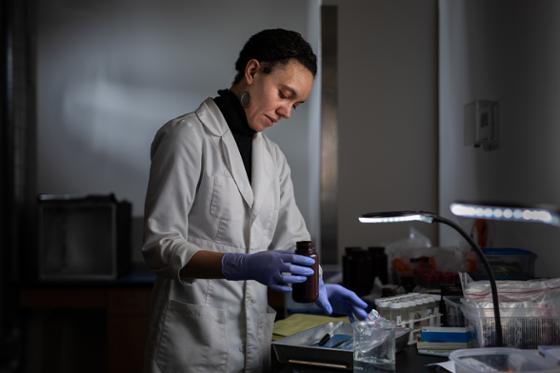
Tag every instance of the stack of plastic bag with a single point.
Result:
(529, 311)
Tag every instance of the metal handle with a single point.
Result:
(318, 364)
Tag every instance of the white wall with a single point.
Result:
(109, 74)
(387, 115)
(507, 51)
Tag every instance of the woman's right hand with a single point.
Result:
(275, 269)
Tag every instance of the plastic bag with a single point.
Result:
(415, 244)
(374, 343)
(414, 261)
(401, 252)
(532, 293)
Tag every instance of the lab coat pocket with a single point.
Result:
(227, 206)
(265, 337)
(226, 202)
(192, 338)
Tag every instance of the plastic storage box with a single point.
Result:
(408, 307)
(508, 264)
(477, 360)
(412, 310)
(522, 327)
(529, 311)
(453, 313)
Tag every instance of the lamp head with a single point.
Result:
(396, 217)
(506, 211)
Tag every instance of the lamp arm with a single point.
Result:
(491, 278)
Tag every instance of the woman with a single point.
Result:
(220, 210)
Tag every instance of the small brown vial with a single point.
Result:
(308, 291)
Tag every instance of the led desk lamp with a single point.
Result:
(428, 217)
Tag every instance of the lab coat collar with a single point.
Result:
(212, 118)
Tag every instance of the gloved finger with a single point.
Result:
(281, 288)
(351, 317)
(281, 252)
(324, 304)
(354, 299)
(284, 267)
(290, 279)
(297, 259)
(360, 313)
(299, 270)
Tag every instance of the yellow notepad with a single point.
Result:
(299, 322)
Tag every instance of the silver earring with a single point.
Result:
(245, 99)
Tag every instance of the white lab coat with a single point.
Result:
(199, 198)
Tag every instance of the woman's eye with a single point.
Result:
(284, 95)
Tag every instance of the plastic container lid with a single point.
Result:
(501, 359)
(507, 251)
(408, 304)
(423, 301)
(381, 303)
(395, 305)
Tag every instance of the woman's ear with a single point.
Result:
(251, 70)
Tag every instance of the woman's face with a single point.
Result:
(275, 95)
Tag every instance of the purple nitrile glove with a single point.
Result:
(275, 269)
(338, 299)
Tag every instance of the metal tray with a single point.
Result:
(301, 348)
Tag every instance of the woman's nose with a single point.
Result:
(285, 111)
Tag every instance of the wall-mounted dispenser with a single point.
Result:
(481, 124)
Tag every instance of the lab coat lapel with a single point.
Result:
(261, 173)
(210, 115)
(236, 167)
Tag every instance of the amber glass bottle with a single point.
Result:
(308, 291)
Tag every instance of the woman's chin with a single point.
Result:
(259, 127)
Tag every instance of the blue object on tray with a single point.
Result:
(445, 334)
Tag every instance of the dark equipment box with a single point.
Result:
(83, 238)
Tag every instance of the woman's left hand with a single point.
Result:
(338, 299)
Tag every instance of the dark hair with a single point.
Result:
(275, 46)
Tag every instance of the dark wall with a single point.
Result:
(17, 159)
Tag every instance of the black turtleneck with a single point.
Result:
(233, 112)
